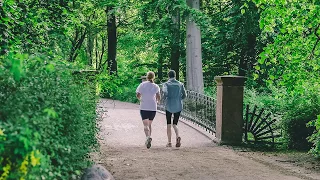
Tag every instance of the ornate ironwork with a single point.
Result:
(260, 128)
(197, 108)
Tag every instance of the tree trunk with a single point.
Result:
(97, 53)
(175, 42)
(248, 54)
(242, 66)
(103, 47)
(161, 56)
(160, 68)
(112, 40)
(194, 56)
(77, 42)
(90, 44)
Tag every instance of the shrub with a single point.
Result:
(271, 101)
(47, 119)
(300, 110)
(119, 87)
(295, 111)
(315, 137)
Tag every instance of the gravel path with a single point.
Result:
(124, 154)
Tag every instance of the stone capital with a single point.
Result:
(230, 80)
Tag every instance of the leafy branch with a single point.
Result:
(316, 43)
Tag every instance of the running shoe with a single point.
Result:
(178, 144)
(148, 142)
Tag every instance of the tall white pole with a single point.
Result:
(194, 54)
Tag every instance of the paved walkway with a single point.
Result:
(124, 154)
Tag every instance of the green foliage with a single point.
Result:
(293, 56)
(231, 41)
(300, 110)
(121, 87)
(296, 132)
(47, 119)
(271, 101)
(109, 85)
(211, 91)
(314, 138)
(291, 61)
(293, 113)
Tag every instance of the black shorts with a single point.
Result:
(175, 117)
(147, 114)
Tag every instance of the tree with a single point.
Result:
(175, 41)
(194, 54)
(231, 43)
(291, 59)
(112, 39)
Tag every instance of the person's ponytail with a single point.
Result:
(150, 76)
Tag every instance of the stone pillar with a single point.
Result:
(229, 109)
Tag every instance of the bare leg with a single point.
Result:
(175, 127)
(146, 127)
(176, 130)
(169, 132)
(149, 122)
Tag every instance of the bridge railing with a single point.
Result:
(197, 108)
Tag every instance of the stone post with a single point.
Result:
(229, 109)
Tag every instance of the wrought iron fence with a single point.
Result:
(261, 127)
(197, 108)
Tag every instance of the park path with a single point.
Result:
(124, 154)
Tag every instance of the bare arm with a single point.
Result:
(138, 95)
(158, 97)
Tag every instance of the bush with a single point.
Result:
(119, 87)
(295, 111)
(47, 120)
(315, 138)
(300, 110)
(271, 101)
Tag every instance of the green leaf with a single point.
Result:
(50, 67)
(272, 77)
(16, 66)
(78, 172)
(262, 23)
(51, 112)
(262, 59)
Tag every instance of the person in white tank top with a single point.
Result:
(149, 95)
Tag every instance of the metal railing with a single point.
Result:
(197, 108)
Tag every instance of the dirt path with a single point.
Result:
(124, 154)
